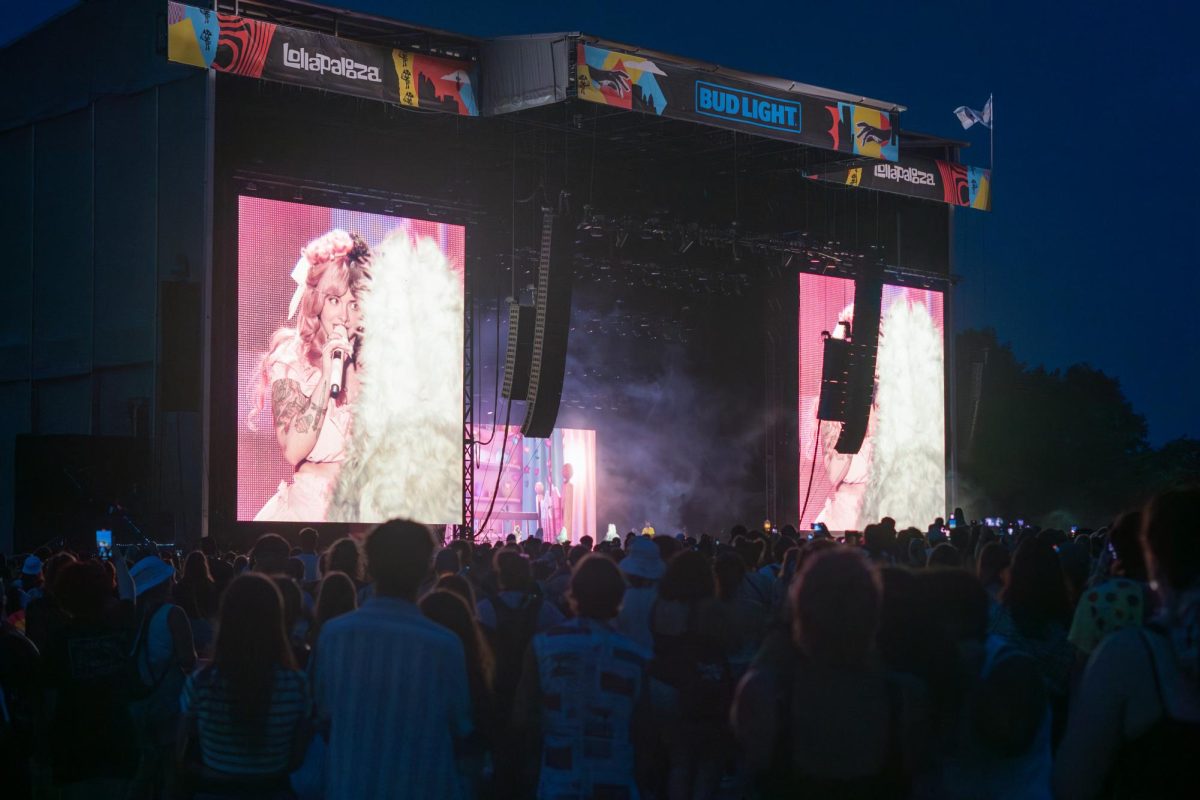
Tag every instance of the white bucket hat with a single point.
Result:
(148, 573)
(643, 560)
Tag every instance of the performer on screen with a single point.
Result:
(312, 373)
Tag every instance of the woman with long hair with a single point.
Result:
(337, 596)
(310, 408)
(460, 586)
(1035, 613)
(343, 556)
(449, 610)
(196, 594)
(248, 710)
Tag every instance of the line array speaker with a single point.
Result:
(864, 345)
(835, 380)
(552, 321)
(518, 351)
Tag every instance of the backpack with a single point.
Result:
(695, 665)
(153, 704)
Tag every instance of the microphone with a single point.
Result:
(337, 370)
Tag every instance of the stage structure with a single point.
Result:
(328, 222)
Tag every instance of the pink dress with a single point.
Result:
(306, 498)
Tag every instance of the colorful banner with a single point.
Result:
(613, 78)
(914, 176)
(256, 49)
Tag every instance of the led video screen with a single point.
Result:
(900, 469)
(350, 371)
(540, 487)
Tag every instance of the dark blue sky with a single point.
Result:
(1091, 252)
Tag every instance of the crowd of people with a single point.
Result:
(963, 661)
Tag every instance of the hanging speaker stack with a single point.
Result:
(864, 345)
(551, 325)
(519, 351)
(835, 380)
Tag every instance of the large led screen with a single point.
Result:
(540, 487)
(900, 471)
(350, 370)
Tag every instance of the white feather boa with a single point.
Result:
(908, 469)
(404, 459)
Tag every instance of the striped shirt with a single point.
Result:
(225, 744)
(393, 687)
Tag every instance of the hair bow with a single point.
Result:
(300, 276)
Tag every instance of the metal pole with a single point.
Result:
(992, 136)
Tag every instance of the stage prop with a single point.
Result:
(547, 483)
(917, 176)
(255, 48)
(608, 75)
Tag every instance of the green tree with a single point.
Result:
(1056, 446)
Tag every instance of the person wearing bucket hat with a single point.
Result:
(149, 573)
(164, 655)
(642, 567)
(29, 585)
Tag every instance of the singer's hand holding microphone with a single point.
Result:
(334, 355)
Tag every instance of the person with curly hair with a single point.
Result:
(310, 402)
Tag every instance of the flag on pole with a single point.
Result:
(969, 116)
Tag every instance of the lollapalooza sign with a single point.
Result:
(257, 49)
(917, 176)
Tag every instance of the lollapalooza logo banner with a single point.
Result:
(256, 49)
(914, 176)
(655, 86)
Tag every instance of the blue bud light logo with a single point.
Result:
(748, 108)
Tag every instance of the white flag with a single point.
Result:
(969, 116)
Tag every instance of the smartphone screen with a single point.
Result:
(104, 543)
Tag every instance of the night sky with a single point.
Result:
(1091, 252)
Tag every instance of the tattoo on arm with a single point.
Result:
(292, 410)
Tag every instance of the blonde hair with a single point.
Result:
(348, 255)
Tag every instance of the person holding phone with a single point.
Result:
(104, 544)
(312, 373)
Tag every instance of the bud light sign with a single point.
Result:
(748, 108)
